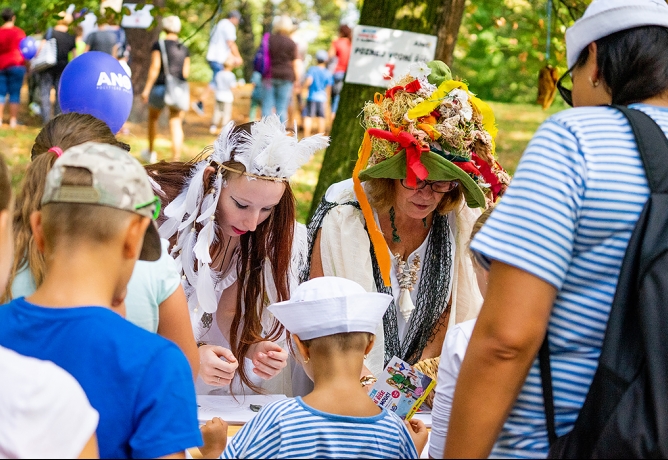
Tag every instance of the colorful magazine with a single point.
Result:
(401, 388)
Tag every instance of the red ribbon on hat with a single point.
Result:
(412, 87)
(414, 167)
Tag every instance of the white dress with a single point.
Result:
(282, 383)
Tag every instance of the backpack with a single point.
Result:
(262, 61)
(625, 413)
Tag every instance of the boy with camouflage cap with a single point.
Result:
(95, 222)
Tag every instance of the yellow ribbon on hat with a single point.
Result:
(426, 107)
(376, 236)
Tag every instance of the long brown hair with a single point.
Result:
(270, 243)
(63, 131)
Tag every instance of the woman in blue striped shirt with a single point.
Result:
(556, 241)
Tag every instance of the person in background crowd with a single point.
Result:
(178, 58)
(12, 65)
(556, 241)
(50, 78)
(256, 95)
(340, 50)
(109, 36)
(285, 69)
(318, 80)
(225, 81)
(222, 48)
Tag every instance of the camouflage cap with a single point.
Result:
(119, 181)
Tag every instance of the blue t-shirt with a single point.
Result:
(140, 383)
(567, 219)
(322, 78)
(289, 428)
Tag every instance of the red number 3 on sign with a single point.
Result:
(389, 72)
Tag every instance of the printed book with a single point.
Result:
(401, 388)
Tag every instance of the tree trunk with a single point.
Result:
(246, 39)
(427, 17)
(452, 12)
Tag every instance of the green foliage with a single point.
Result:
(502, 45)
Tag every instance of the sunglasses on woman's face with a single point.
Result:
(566, 94)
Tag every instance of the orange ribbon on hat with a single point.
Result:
(375, 235)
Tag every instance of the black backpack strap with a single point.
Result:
(652, 143)
(546, 379)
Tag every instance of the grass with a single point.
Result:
(516, 122)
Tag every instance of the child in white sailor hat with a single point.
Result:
(332, 321)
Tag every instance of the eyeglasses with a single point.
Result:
(438, 186)
(566, 94)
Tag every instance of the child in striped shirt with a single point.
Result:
(332, 322)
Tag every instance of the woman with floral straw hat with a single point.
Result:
(427, 162)
(230, 215)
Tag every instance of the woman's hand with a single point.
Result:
(144, 97)
(214, 434)
(216, 365)
(268, 359)
(419, 435)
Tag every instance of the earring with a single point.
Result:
(594, 84)
(307, 360)
(366, 356)
(395, 234)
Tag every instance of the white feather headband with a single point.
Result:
(268, 152)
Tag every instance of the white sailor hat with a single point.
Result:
(331, 305)
(605, 17)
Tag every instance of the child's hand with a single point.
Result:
(214, 434)
(419, 434)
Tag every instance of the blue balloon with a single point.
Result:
(96, 84)
(28, 47)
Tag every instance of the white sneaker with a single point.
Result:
(213, 129)
(148, 157)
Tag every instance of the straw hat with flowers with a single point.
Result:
(428, 127)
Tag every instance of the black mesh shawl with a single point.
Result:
(433, 287)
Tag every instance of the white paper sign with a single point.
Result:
(378, 55)
(138, 19)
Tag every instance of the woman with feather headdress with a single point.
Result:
(230, 216)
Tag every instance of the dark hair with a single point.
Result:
(270, 242)
(5, 185)
(345, 32)
(7, 14)
(633, 63)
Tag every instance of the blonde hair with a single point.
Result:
(282, 25)
(172, 24)
(382, 194)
